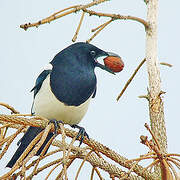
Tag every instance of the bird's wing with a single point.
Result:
(39, 81)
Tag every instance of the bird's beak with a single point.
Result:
(105, 67)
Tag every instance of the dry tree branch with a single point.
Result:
(99, 174)
(77, 174)
(42, 154)
(130, 79)
(152, 164)
(20, 160)
(156, 107)
(92, 173)
(95, 29)
(153, 136)
(10, 140)
(55, 16)
(99, 30)
(162, 159)
(173, 170)
(74, 9)
(54, 169)
(94, 160)
(13, 111)
(166, 64)
(34, 142)
(78, 28)
(68, 164)
(117, 17)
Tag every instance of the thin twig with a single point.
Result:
(9, 107)
(153, 136)
(176, 159)
(48, 165)
(152, 164)
(37, 146)
(64, 150)
(130, 79)
(21, 115)
(92, 173)
(42, 154)
(176, 163)
(173, 154)
(99, 174)
(95, 29)
(166, 64)
(130, 170)
(78, 28)
(3, 131)
(141, 158)
(173, 170)
(53, 169)
(98, 31)
(117, 17)
(10, 140)
(68, 164)
(6, 125)
(21, 158)
(77, 174)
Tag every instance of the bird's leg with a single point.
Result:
(56, 125)
(82, 132)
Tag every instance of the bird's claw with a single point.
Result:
(56, 125)
(82, 132)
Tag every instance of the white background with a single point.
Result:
(115, 124)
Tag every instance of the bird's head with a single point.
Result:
(89, 55)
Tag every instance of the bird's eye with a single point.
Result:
(93, 53)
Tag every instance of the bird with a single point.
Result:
(63, 91)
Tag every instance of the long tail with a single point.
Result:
(31, 133)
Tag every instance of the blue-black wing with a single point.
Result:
(39, 81)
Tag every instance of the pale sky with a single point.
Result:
(117, 125)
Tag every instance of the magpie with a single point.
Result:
(63, 91)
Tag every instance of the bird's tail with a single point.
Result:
(31, 133)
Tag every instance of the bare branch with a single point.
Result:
(60, 14)
(94, 160)
(78, 28)
(117, 17)
(9, 107)
(99, 30)
(166, 64)
(130, 79)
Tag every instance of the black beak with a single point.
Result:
(103, 66)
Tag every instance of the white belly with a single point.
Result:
(48, 106)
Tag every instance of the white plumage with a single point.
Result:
(47, 105)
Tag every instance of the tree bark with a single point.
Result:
(156, 106)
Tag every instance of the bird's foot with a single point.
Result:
(56, 125)
(82, 132)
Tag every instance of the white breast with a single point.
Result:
(47, 105)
